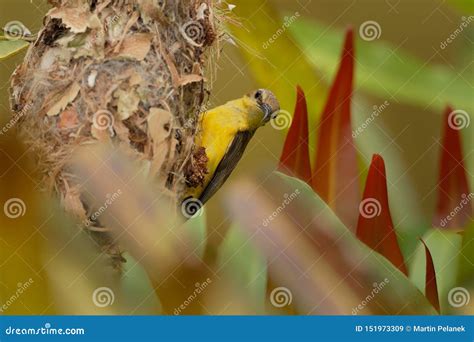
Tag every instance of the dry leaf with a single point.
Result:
(157, 122)
(67, 98)
(136, 46)
(76, 19)
(68, 119)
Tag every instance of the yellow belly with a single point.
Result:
(216, 131)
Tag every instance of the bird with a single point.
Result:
(224, 133)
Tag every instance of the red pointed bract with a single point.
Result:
(375, 226)
(453, 209)
(294, 159)
(431, 287)
(336, 176)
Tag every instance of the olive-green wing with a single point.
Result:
(227, 164)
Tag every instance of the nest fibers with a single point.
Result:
(129, 73)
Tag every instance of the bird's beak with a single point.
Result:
(267, 112)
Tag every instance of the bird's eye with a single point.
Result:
(258, 95)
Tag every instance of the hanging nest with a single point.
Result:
(130, 73)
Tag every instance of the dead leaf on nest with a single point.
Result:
(127, 103)
(69, 95)
(122, 131)
(136, 46)
(186, 79)
(159, 121)
(76, 19)
(68, 118)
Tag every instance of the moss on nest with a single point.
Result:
(130, 73)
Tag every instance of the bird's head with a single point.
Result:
(265, 104)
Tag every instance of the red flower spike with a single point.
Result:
(336, 175)
(294, 159)
(375, 226)
(453, 188)
(431, 287)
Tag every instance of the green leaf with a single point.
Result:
(196, 227)
(444, 247)
(240, 262)
(466, 259)
(11, 47)
(137, 290)
(387, 71)
(325, 267)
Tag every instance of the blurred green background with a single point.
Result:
(405, 66)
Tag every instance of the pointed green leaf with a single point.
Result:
(242, 263)
(10, 47)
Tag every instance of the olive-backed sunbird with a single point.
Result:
(224, 132)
